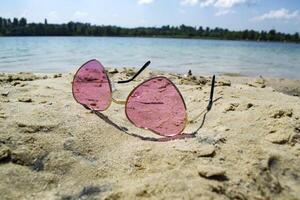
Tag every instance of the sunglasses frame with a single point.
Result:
(124, 102)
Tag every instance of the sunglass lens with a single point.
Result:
(157, 105)
(91, 86)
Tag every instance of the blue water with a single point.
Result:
(64, 54)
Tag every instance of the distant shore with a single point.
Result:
(20, 27)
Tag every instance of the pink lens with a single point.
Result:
(91, 86)
(157, 105)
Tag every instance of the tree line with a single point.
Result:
(20, 27)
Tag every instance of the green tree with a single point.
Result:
(15, 22)
(271, 35)
(23, 22)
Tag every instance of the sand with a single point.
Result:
(248, 146)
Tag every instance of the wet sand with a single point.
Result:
(247, 147)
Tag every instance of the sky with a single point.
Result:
(282, 15)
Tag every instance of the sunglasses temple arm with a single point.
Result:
(86, 107)
(211, 99)
(140, 71)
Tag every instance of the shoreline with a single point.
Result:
(159, 37)
(284, 85)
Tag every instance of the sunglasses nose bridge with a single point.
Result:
(117, 101)
(113, 90)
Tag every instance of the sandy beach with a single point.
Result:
(247, 147)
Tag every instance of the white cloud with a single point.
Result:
(25, 13)
(142, 21)
(189, 2)
(205, 3)
(141, 2)
(53, 16)
(278, 14)
(216, 3)
(224, 6)
(223, 12)
(229, 3)
(80, 15)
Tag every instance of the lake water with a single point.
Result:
(64, 54)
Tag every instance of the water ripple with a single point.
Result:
(52, 54)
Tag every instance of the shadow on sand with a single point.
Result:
(164, 139)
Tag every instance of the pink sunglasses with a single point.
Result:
(156, 104)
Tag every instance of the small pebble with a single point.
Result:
(113, 71)
(282, 113)
(25, 99)
(16, 83)
(206, 150)
(2, 115)
(260, 81)
(249, 105)
(22, 156)
(5, 93)
(278, 137)
(256, 85)
(4, 152)
(222, 158)
(224, 83)
(57, 75)
(23, 84)
(232, 107)
(208, 171)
